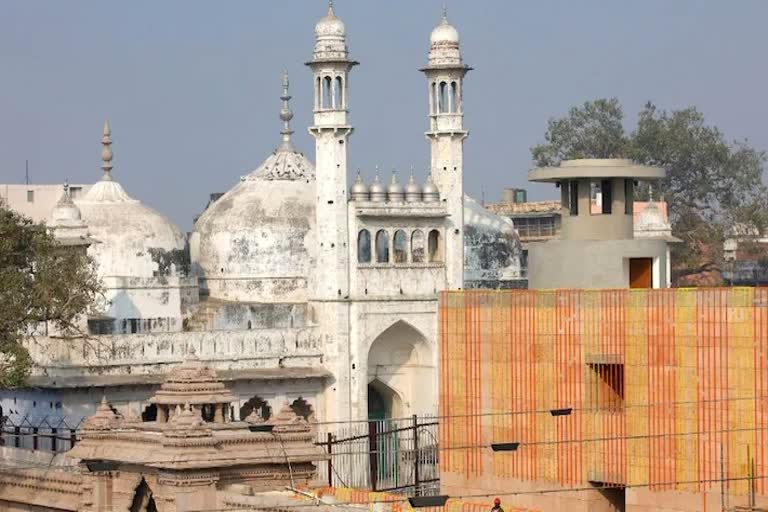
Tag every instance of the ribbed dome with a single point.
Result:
(395, 191)
(378, 192)
(444, 45)
(430, 192)
(255, 243)
(412, 190)
(130, 235)
(359, 190)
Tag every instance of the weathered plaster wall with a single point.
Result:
(240, 244)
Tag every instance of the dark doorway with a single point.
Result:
(377, 408)
(150, 413)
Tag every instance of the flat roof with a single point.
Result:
(596, 168)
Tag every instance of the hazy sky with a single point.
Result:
(191, 87)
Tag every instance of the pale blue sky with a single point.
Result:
(192, 87)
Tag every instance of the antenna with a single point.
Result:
(26, 172)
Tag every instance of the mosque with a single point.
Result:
(294, 286)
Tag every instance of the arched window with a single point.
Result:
(302, 408)
(454, 99)
(257, 404)
(327, 97)
(417, 246)
(382, 247)
(443, 98)
(338, 94)
(433, 99)
(400, 246)
(435, 246)
(318, 94)
(364, 246)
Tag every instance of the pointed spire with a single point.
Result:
(394, 177)
(66, 198)
(444, 19)
(106, 152)
(330, 7)
(286, 114)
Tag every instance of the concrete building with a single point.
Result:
(607, 400)
(296, 287)
(37, 201)
(539, 221)
(597, 247)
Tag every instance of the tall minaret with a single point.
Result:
(445, 74)
(330, 66)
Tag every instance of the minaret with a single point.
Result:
(330, 66)
(445, 74)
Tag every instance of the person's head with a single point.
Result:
(496, 502)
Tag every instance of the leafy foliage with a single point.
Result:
(42, 283)
(712, 186)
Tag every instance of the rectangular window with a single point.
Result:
(573, 197)
(607, 195)
(605, 386)
(75, 192)
(629, 197)
(30, 196)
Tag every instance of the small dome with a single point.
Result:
(330, 25)
(65, 210)
(359, 189)
(444, 34)
(330, 37)
(395, 191)
(412, 191)
(132, 236)
(431, 192)
(378, 192)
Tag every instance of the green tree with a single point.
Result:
(41, 283)
(711, 185)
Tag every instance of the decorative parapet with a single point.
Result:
(146, 358)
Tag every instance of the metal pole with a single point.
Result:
(54, 433)
(416, 457)
(34, 438)
(374, 454)
(330, 462)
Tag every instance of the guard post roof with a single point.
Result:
(596, 168)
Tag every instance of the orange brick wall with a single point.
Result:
(692, 365)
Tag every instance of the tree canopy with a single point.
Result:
(711, 186)
(41, 283)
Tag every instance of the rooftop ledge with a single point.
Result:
(587, 168)
(370, 209)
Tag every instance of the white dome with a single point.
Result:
(444, 33)
(330, 25)
(132, 240)
(131, 236)
(255, 243)
(65, 211)
(491, 246)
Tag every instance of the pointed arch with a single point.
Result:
(143, 501)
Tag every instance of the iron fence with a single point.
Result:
(394, 455)
(54, 435)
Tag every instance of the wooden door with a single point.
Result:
(641, 272)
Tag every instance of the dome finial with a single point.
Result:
(330, 7)
(444, 19)
(286, 114)
(106, 152)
